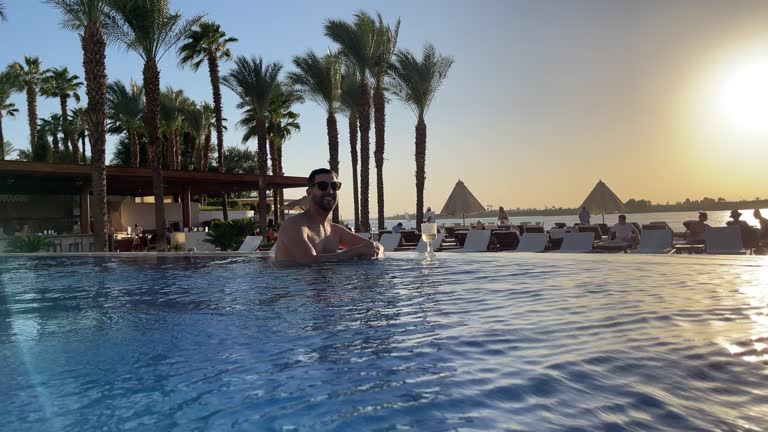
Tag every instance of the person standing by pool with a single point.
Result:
(503, 217)
(584, 216)
(763, 224)
(429, 216)
(311, 237)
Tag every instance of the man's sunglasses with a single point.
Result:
(324, 185)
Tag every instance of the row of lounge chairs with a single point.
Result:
(721, 240)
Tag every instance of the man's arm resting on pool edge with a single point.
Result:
(302, 251)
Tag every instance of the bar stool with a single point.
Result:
(55, 243)
(76, 245)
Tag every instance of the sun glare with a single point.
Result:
(743, 97)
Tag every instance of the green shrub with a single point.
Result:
(230, 235)
(28, 244)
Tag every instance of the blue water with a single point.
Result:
(469, 342)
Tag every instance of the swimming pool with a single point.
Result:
(469, 342)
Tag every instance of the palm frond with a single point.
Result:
(415, 81)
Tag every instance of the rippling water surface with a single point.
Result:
(468, 342)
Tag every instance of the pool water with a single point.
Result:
(481, 342)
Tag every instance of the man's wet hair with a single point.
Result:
(622, 216)
(317, 172)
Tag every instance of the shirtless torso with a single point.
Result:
(311, 237)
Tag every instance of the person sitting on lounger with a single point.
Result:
(479, 225)
(736, 216)
(625, 232)
(311, 237)
(397, 228)
(696, 230)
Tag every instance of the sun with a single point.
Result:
(743, 97)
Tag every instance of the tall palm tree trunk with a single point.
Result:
(261, 131)
(275, 172)
(353, 150)
(95, 67)
(365, 154)
(213, 72)
(82, 143)
(55, 143)
(134, 140)
(2, 139)
(379, 119)
(333, 152)
(176, 149)
(281, 198)
(32, 116)
(204, 160)
(421, 160)
(68, 136)
(152, 125)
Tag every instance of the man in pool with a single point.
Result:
(311, 237)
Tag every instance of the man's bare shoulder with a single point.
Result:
(295, 221)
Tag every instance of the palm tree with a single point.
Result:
(86, 17)
(7, 86)
(50, 127)
(148, 28)
(125, 107)
(78, 122)
(3, 17)
(386, 41)
(349, 105)
(28, 77)
(208, 122)
(281, 125)
(209, 43)
(319, 79)
(59, 83)
(255, 83)
(8, 150)
(357, 44)
(416, 82)
(173, 105)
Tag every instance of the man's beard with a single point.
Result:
(324, 204)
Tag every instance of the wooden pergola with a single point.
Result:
(41, 178)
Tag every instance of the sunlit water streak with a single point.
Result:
(471, 342)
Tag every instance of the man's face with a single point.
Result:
(622, 220)
(324, 199)
(703, 218)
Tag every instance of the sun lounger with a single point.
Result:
(436, 243)
(477, 241)
(594, 229)
(655, 241)
(532, 242)
(390, 241)
(250, 244)
(576, 242)
(533, 229)
(724, 241)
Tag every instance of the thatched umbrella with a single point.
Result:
(461, 202)
(299, 204)
(602, 199)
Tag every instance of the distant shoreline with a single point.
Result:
(632, 206)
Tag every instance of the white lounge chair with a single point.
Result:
(436, 243)
(532, 242)
(477, 241)
(250, 244)
(724, 241)
(577, 242)
(655, 241)
(390, 241)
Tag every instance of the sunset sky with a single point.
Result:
(661, 99)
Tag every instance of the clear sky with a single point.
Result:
(661, 99)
